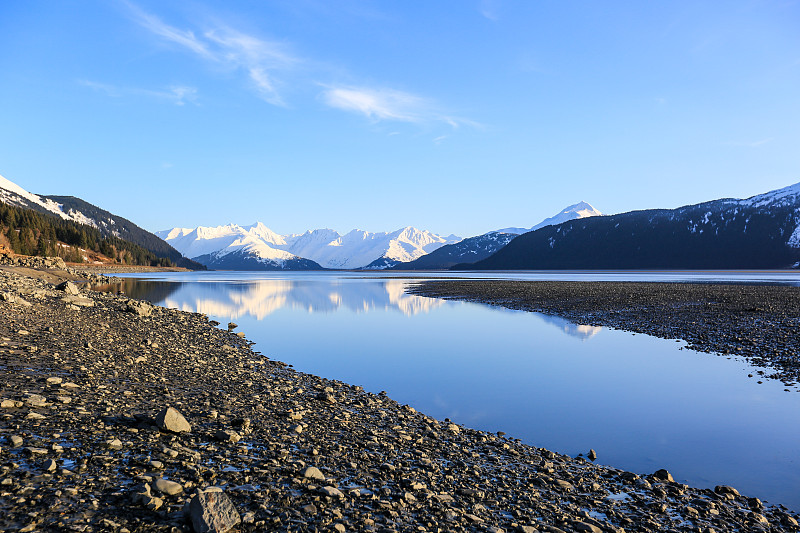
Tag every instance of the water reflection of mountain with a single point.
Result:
(262, 297)
(570, 328)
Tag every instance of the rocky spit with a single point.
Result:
(758, 322)
(121, 416)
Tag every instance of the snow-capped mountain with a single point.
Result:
(76, 210)
(477, 248)
(759, 232)
(13, 194)
(324, 248)
(579, 210)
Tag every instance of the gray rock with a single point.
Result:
(36, 400)
(68, 287)
(663, 475)
(726, 489)
(170, 488)
(171, 420)
(313, 472)
(333, 492)
(139, 308)
(212, 512)
(227, 435)
(113, 444)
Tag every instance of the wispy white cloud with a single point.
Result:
(176, 94)
(377, 104)
(267, 65)
(185, 38)
(257, 58)
(387, 104)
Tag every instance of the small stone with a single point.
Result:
(227, 435)
(663, 475)
(333, 492)
(170, 488)
(583, 526)
(726, 489)
(563, 485)
(36, 400)
(49, 466)
(312, 472)
(140, 308)
(592, 455)
(212, 512)
(54, 380)
(68, 287)
(171, 420)
(16, 441)
(113, 444)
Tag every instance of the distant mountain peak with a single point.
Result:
(580, 210)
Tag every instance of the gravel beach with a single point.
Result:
(758, 322)
(122, 416)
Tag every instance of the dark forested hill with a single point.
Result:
(759, 232)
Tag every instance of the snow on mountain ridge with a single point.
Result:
(355, 249)
(13, 194)
(575, 211)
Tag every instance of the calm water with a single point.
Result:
(642, 403)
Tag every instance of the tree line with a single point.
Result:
(31, 233)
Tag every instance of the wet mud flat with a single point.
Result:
(758, 322)
(116, 415)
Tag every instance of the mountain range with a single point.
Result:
(257, 247)
(477, 248)
(760, 232)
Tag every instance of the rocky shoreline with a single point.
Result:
(121, 416)
(758, 322)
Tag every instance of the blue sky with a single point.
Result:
(453, 116)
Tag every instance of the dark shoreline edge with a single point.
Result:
(756, 321)
(84, 376)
